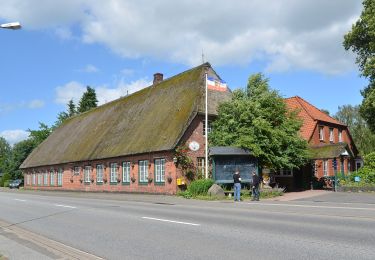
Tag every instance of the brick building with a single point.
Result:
(128, 144)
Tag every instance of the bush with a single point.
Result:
(186, 194)
(200, 187)
(5, 178)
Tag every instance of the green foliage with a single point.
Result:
(361, 133)
(6, 177)
(38, 136)
(4, 155)
(361, 41)
(19, 153)
(88, 100)
(257, 119)
(200, 187)
(186, 194)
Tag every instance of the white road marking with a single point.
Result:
(20, 200)
(172, 221)
(65, 206)
(309, 206)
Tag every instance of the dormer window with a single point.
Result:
(340, 136)
(321, 133)
(331, 136)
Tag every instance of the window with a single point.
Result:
(321, 133)
(284, 173)
(34, 178)
(52, 178)
(201, 166)
(86, 174)
(126, 172)
(99, 173)
(340, 136)
(349, 165)
(113, 172)
(331, 136)
(143, 171)
(45, 179)
(159, 170)
(39, 179)
(28, 179)
(77, 170)
(209, 128)
(325, 167)
(59, 177)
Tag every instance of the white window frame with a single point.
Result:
(201, 165)
(331, 135)
(77, 170)
(99, 173)
(159, 170)
(340, 136)
(143, 171)
(321, 133)
(325, 168)
(52, 177)
(45, 178)
(126, 172)
(59, 177)
(86, 173)
(40, 179)
(28, 179)
(209, 127)
(34, 179)
(113, 173)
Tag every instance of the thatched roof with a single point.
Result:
(329, 151)
(153, 119)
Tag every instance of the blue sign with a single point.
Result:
(357, 179)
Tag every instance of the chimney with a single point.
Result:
(158, 77)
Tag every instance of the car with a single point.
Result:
(16, 184)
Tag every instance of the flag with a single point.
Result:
(216, 84)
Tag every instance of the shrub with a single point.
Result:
(5, 178)
(200, 187)
(186, 194)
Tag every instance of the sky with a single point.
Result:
(115, 46)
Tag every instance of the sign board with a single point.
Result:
(357, 179)
(225, 166)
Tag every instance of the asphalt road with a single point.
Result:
(187, 229)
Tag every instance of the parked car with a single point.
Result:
(16, 184)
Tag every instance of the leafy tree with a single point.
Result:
(38, 136)
(62, 116)
(361, 40)
(257, 119)
(71, 108)
(325, 111)
(88, 100)
(361, 133)
(4, 154)
(19, 153)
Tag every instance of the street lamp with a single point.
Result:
(11, 26)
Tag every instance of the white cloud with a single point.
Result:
(71, 90)
(14, 136)
(289, 34)
(90, 69)
(36, 103)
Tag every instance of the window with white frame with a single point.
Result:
(325, 167)
(159, 170)
(39, 179)
(45, 179)
(59, 177)
(52, 177)
(143, 170)
(321, 133)
(99, 173)
(126, 172)
(77, 170)
(285, 173)
(331, 135)
(34, 178)
(209, 127)
(86, 174)
(200, 166)
(340, 136)
(113, 172)
(28, 179)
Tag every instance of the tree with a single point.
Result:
(4, 154)
(257, 119)
(71, 108)
(38, 136)
(361, 40)
(361, 133)
(19, 153)
(325, 111)
(62, 116)
(88, 100)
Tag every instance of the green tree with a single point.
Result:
(19, 153)
(4, 155)
(257, 119)
(361, 133)
(71, 108)
(361, 40)
(62, 116)
(88, 100)
(38, 136)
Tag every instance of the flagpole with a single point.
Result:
(205, 130)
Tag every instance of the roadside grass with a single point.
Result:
(245, 195)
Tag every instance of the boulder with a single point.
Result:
(216, 191)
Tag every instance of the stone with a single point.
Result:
(216, 190)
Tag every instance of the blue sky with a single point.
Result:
(115, 46)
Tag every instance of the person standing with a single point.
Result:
(237, 186)
(255, 190)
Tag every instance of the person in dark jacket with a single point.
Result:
(255, 190)
(237, 186)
